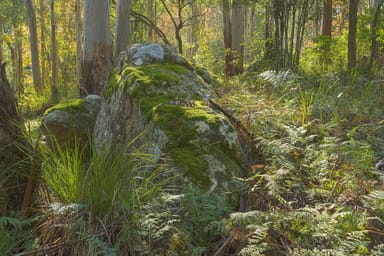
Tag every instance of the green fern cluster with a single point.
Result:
(186, 224)
(317, 192)
(15, 235)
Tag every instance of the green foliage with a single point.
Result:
(306, 229)
(68, 106)
(143, 78)
(63, 172)
(188, 223)
(105, 184)
(320, 136)
(15, 235)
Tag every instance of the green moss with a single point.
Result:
(68, 106)
(112, 84)
(178, 122)
(143, 80)
(162, 90)
(192, 162)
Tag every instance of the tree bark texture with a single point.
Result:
(18, 65)
(1, 42)
(122, 27)
(79, 39)
(237, 36)
(374, 26)
(97, 57)
(55, 71)
(150, 16)
(316, 19)
(34, 46)
(42, 43)
(353, 8)
(192, 32)
(12, 181)
(327, 19)
(228, 62)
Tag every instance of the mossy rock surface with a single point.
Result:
(70, 120)
(166, 105)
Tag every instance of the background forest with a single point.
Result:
(303, 78)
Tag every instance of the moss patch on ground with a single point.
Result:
(71, 106)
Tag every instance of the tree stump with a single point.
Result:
(12, 176)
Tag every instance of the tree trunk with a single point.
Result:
(278, 35)
(353, 7)
(268, 54)
(18, 65)
(150, 14)
(227, 39)
(192, 31)
(375, 23)
(55, 71)
(316, 18)
(42, 43)
(327, 18)
(79, 47)
(1, 42)
(122, 27)
(237, 33)
(34, 46)
(97, 58)
(12, 181)
(251, 31)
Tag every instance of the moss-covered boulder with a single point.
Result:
(164, 107)
(72, 119)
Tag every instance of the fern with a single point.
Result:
(15, 235)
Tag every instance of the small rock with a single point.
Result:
(380, 165)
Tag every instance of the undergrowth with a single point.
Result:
(321, 137)
(317, 193)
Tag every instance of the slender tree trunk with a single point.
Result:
(18, 55)
(42, 43)
(353, 8)
(150, 14)
(237, 31)
(278, 35)
(122, 27)
(79, 39)
(316, 18)
(34, 46)
(55, 71)
(1, 42)
(97, 58)
(251, 31)
(290, 55)
(228, 59)
(268, 32)
(375, 23)
(193, 31)
(327, 18)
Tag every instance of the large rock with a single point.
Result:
(72, 119)
(163, 106)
